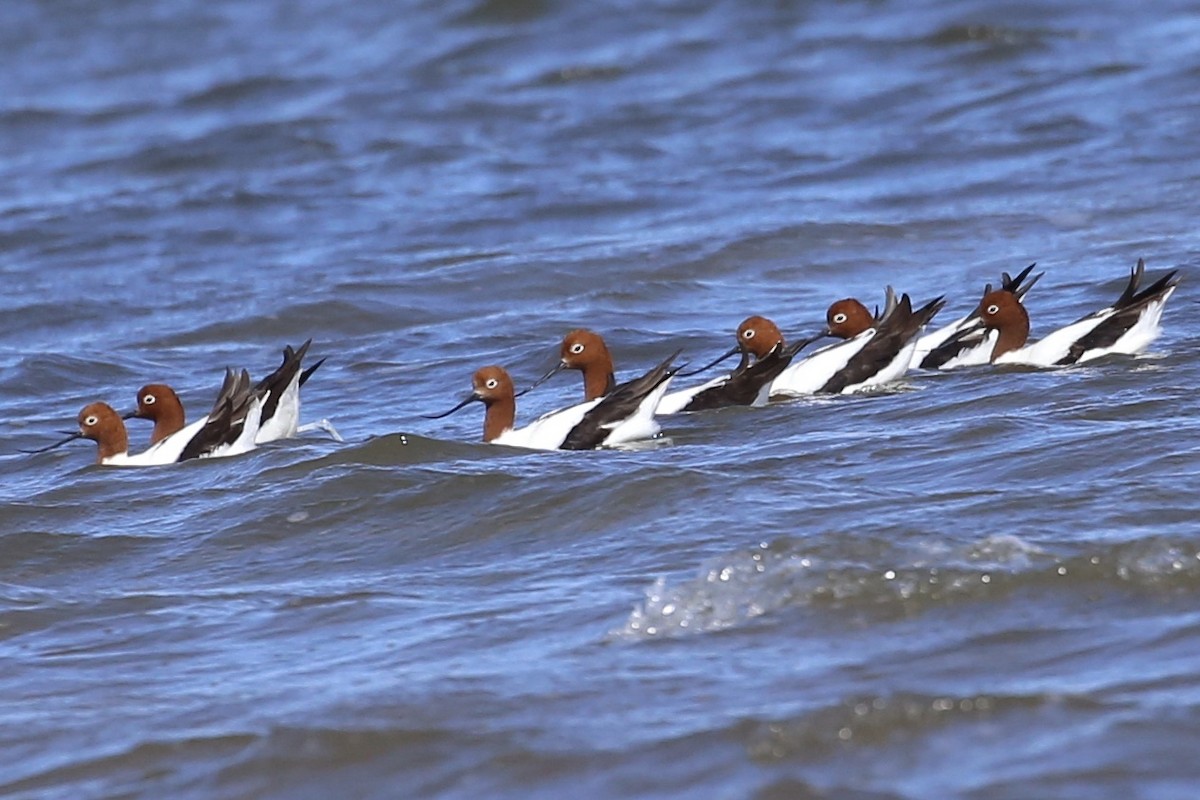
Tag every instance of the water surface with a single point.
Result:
(983, 584)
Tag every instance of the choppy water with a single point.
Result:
(984, 585)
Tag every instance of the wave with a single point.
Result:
(736, 589)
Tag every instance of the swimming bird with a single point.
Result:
(624, 415)
(1126, 327)
(586, 351)
(875, 351)
(964, 341)
(763, 357)
(159, 403)
(229, 430)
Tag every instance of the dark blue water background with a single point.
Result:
(982, 585)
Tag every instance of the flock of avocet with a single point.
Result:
(243, 417)
(874, 349)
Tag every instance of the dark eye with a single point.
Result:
(748, 334)
(492, 383)
(839, 318)
(577, 348)
(993, 309)
(90, 421)
(149, 400)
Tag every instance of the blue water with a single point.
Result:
(982, 584)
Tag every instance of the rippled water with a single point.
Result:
(981, 584)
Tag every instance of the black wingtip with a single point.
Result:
(306, 374)
(667, 367)
(889, 304)
(1021, 291)
(1135, 280)
(1132, 297)
(932, 307)
(1156, 289)
(1010, 284)
(298, 353)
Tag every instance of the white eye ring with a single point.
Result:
(993, 309)
(90, 421)
(748, 333)
(839, 318)
(149, 400)
(577, 348)
(492, 383)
